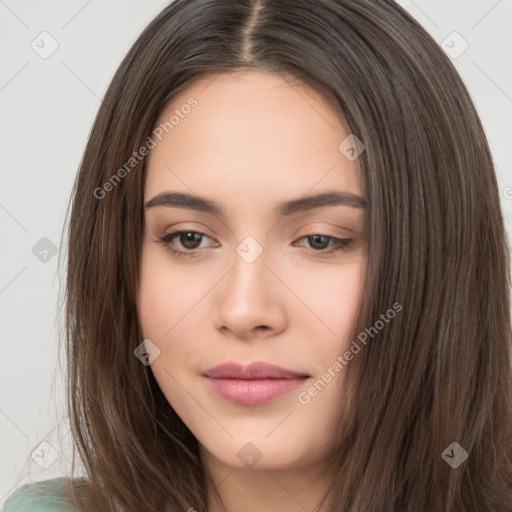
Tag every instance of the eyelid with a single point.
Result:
(333, 230)
(178, 227)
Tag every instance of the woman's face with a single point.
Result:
(252, 282)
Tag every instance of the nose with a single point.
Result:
(250, 299)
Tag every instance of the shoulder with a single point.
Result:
(45, 496)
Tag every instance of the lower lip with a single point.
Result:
(255, 391)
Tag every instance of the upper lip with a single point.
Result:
(256, 370)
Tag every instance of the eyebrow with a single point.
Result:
(202, 204)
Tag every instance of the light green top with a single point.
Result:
(40, 497)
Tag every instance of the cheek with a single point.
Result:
(343, 294)
(166, 295)
(167, 317)
(156, 303)
(165, 307)
(171, 312)
(332, 297)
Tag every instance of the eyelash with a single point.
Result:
(340, 244)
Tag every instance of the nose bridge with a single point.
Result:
(247, 298)
(249, 266)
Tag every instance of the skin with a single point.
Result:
(252, 142)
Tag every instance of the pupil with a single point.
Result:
(316, 239)
(189, 238)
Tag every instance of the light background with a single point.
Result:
(47, 106)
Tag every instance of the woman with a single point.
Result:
(288, 277)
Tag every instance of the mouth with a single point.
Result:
(254, 384)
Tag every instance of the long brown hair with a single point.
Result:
(439, 373)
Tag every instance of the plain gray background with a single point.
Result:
(47, 106)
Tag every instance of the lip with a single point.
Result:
(256, 370)
(252, 384)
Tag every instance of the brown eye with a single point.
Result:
(187, 239)
(319, 242)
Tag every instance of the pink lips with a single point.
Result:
(254, 384)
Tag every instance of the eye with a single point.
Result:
(189, 240)
(319, 241)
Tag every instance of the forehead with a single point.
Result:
(249, 136)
